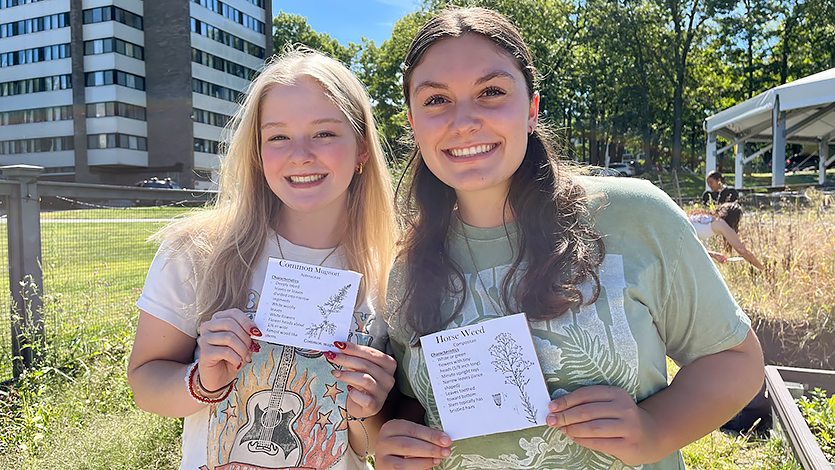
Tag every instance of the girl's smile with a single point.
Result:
(471, 152)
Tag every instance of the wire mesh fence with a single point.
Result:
(5, 301)
(94, 258)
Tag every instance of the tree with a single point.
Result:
(293, 29)
(380, 69)
(745, 34)
(686, 20)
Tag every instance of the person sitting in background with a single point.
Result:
(718, 193)
(723, 221)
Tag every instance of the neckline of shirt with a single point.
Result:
(464, 230)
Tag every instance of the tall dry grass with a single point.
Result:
(796, 243)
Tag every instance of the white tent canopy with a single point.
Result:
(802, 111)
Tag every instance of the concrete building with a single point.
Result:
(117, 91)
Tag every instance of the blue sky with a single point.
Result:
(349, 20)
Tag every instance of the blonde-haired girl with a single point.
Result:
(304, 178)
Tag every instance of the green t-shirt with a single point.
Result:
(660, 296)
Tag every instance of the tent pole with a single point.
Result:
(778, 151)
(823, 157)
(740, 163)
(710, 155)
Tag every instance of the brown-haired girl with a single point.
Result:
(608, 271)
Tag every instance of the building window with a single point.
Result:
(114, 77)
(233, 14)
(112, 13)
(219, 63)
(35, 85)
(115, 108)
(35, 25)
(206, 146)
(205, 29)
(107, 45)
(28, 116)
(14, 3)
(59, 169)
(43, 144)
(116, 140)
(257, 3)
(215, 91)
(208, 117)
(37, 54)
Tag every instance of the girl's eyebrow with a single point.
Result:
(479, 81)
(495, 74)
(315, 123)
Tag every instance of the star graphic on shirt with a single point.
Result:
(343, 424)
(230, 411)
(333, 391)
(324, 419)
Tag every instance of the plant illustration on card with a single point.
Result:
(333, 305)
(510, 361)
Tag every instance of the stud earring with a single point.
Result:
(359, 168)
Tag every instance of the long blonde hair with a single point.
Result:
(226, 241)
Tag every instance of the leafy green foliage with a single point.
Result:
(629, 76)
(75, 410)
(819, 412)
(290, 29)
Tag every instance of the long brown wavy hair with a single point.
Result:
(556, 238)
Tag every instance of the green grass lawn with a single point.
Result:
(693, 185)
(92, 270)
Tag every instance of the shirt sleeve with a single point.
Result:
(169, 291)
(699, 316)
(732, 195)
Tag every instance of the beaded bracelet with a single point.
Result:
(189, 378)
(360, 420)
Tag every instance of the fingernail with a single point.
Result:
(436, 461)
(445, 452)
(553, 407)
(551, 420)
(445, 440)
(350, 388)
(340, 344)
(255, 331)
(239, 366)
(336, 373)
(330, 355)
(254, 347)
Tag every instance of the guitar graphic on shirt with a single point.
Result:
(268, 439)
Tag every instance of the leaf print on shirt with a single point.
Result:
(589, 362)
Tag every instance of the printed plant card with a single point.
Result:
(306, 306)
(486, 377)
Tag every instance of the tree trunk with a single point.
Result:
(678, 116)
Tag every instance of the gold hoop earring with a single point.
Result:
(359, 168)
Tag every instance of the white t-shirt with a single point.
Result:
(701, 222)
(308, 429)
